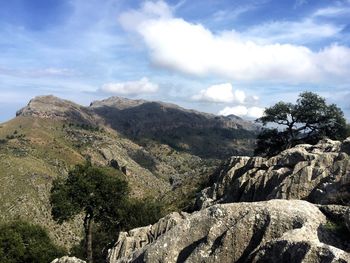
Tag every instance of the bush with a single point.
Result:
(24, 242)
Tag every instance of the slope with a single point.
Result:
(50, 135)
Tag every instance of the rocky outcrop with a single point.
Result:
(317, 173)
(270, 231)
(232, 227)
(56, 108)
(67, 259)
(140, 237)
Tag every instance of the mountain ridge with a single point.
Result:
(182, 129)
(37, 105)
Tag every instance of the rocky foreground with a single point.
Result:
(269, 231)
(316, 173)
(293, 207)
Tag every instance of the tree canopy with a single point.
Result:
(307, 121)
(93, 192)
(21, 242)
(134, 213)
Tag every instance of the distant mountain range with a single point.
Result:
(163, 150)
(202, 134)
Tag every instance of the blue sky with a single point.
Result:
(216, 56)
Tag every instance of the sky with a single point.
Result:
(218, 56)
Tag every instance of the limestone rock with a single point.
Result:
(56, 108)
(317, 173)
(140, 237)
(270, 231)
(67, 259)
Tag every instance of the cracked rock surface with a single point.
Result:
(269, 231)
(317, 173)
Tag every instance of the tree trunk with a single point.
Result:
(88, 237)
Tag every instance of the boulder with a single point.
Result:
(317, 173)
(67, 259)
(269, 231)
(140, 237)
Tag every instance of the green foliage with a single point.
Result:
(84, 126)
(133, 213)
(307, 121)
(21, 242)
(338, 228)
(144, 159)
(92, 191)
(270, 142)
(10, 137)
(87, 189)
(136, 213)
(347, 130)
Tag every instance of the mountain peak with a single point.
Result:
(117, 102)
(49, 106)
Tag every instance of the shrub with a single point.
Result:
(21, 242)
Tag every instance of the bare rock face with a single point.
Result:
(270, 231)
(140, 237)
(55, 108)
(317, 173)
(67, 259)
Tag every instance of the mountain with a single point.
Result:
(251, 213)
(202, 134)
(164, 151)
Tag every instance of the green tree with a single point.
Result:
(347, 129)
(133, 213)
(21, 242)
(93, 192)
(307, 121)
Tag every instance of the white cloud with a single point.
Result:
(243, 111)
(220, 93)
(176, 44)
(130, 87)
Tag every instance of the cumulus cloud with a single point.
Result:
(130, 87)
(220, 93)
(191, 48)
(243, 111)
